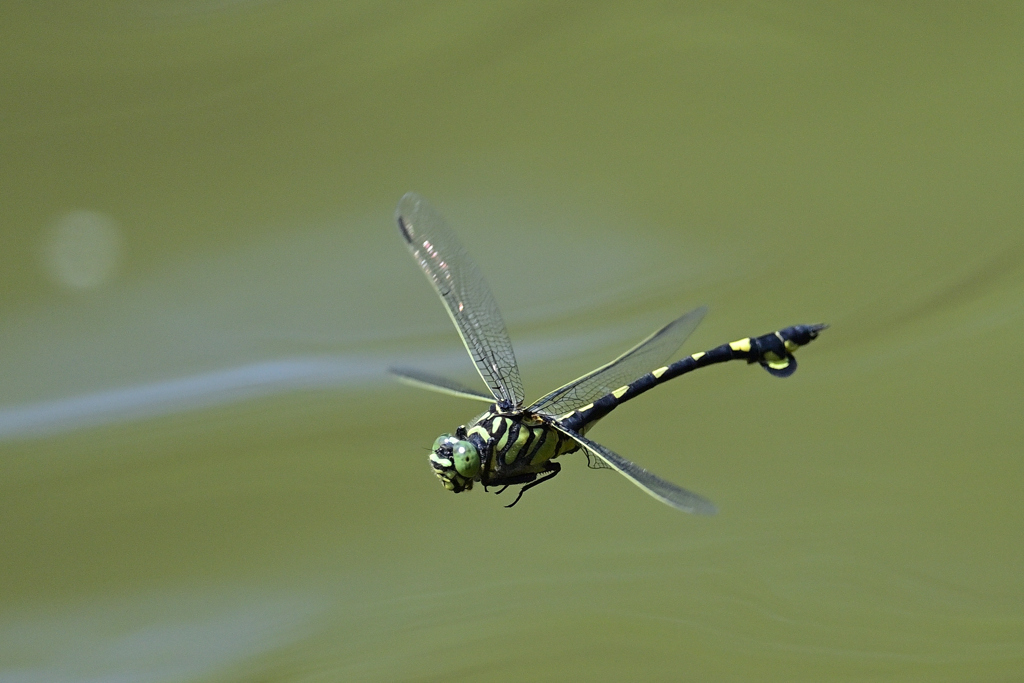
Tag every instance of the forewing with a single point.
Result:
(649, 354)
(465, 293)
(665, 491)
(443, 385)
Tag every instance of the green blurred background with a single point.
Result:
(206, 475)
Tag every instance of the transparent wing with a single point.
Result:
(665, 491)
(642, 358)
(465, 293)
(425, 380)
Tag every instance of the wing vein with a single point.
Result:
(466, 295)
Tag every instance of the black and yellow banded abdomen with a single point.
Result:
(774, 352)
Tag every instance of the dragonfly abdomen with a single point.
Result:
(774, 351)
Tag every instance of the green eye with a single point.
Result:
(467, 460)
(440, 440)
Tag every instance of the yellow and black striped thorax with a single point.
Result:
(514, 444)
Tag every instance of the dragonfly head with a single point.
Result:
(456, 461)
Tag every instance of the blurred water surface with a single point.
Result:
(205, 473)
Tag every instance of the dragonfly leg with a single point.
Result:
(553, 468)
(509, 481)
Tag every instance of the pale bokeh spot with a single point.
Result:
(82, 249)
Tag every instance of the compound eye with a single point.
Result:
(467, 460)
(440, 441)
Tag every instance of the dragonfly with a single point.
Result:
(511, 443)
